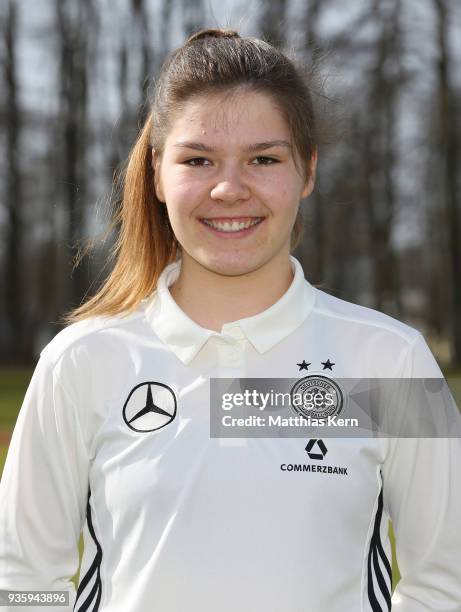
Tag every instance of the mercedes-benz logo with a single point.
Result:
(149, 406)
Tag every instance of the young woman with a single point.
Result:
(114, 433)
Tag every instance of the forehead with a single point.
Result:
(235, 114)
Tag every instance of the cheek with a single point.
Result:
(283, 199)
(280, 184)
(181, 199)
(184, 191)
(181, 212)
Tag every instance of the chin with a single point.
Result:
(229, 266)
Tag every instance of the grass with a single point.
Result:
(13, 385)
(3, 451)
(395, 566)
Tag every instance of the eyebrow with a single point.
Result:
(258, 146)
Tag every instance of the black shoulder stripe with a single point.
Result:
(377, 539)
(371, 593)
(373, 566)
(94, 569)
(380, 578)
(86, 604)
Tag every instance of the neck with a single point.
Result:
(211, 299)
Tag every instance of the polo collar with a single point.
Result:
(264, 330)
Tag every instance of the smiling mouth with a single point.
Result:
(236, 224)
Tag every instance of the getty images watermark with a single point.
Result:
(327, 407)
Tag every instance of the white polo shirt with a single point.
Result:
(113, 438)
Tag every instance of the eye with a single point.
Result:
(270, 159)
(197, 161)
(194, 159)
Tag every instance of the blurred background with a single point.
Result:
(382, 227)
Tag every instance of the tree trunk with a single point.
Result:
(450, 156)
(14, 300)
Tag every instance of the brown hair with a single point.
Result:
(211, 61)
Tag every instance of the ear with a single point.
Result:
(157, 182)
(309, 187)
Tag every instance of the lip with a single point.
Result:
(231, 218)
(229, 235)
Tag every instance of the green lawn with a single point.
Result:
(3, 450)
(13, 384)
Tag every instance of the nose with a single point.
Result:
(230, 187)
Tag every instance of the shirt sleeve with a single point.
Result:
(422, 495)
(43, 491)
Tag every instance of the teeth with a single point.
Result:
(233, 226)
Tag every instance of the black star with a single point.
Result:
(327, 365)
(303, 365)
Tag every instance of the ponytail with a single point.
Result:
(145, 243)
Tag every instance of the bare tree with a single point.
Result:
(448, 144)
(73, 26)
(380, 156)
(313, 250)
(14, 299)
(141, 19)
(193, 15)
(272, 22)
(165, 26)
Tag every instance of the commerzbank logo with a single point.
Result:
(149, 406)
(316, 449)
